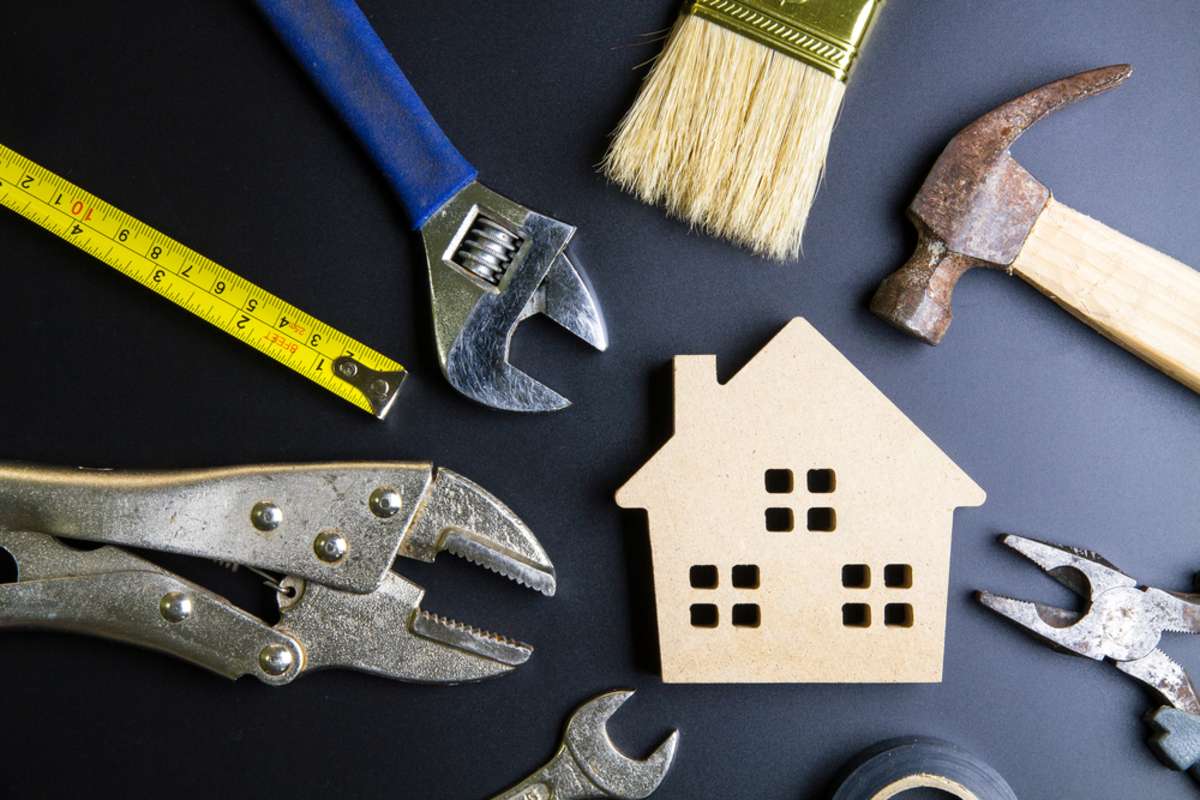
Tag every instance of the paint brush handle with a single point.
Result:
(341, 52)
(1142, 299)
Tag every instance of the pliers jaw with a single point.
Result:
(387, 633)
(493, 263)
(1123, 623)
(461, 517)
(371, 620)
(1084, 573)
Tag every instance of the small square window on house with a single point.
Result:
(747, 615)
(856, 615)
(703, 576)
(704, 615)
(897, 576)
(790, 438)
(780, 481)
(822, 519)
(821, 481)
(780, 520)
(856, 576)
(745, 576)
(898, 615)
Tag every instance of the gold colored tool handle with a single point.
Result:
(299, 341)
(1142, 299)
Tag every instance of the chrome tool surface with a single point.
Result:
(325, 535)
(589, 765)
(1122, 624)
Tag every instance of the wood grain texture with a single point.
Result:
(1142, 299)
(799, 405)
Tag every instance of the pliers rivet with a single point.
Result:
(275, 659)
(266, 516)
(330, 546)
(175, 606)
(385, 502)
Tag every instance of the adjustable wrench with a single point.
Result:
(492, 262)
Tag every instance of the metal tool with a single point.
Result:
(492, 262)
(225, 300)
(1122, 624)
(332, 530)
(979, 208)
(589, 765)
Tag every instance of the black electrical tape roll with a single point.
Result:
(897, 765)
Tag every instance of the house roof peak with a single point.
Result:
(800, 392)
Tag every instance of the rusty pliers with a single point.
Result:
(324, 535)
(1122, 624)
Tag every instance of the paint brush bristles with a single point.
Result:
(729, 135)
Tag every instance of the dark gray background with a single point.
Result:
(192, 117)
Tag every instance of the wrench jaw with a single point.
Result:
(493, 263)
(387, 633)
(617, 774)
(461, 517)
(566, 296)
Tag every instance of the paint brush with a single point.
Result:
(732, 126)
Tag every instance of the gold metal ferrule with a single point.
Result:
(826, 34)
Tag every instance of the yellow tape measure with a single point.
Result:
(299, 341)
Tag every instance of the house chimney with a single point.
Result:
(695, 391)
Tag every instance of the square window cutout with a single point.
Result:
(898, 615)
(822, 519)
(704, 615)
(821, 481)
(780, 520)
(780, 481)
(855, 576)
(897, 576)
(747, 615)
(856, 615)
(703, 576)
(745, 576)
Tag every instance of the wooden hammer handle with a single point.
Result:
(1143, 300)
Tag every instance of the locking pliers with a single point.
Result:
(1122, 624)
(332, 530)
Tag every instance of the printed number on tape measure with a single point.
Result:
(299, 341)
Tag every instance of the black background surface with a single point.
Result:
(191, 116)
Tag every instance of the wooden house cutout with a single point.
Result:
(799, 524)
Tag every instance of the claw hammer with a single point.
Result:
(979, 207)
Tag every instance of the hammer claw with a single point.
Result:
(998, 129)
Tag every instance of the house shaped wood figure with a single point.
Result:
(799, 524)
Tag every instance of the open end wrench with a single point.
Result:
(589, 765)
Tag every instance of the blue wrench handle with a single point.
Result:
(340, 50)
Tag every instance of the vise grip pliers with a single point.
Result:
(333, 530)
(492, 262)
(1122, 624)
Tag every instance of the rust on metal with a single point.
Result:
(977, 205)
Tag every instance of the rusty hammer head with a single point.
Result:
(977, 206)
